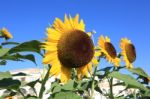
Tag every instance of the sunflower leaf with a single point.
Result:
(3, 51)
(66, 95)
(19, 57)
(3, 62)
(139, 71)
(30, 46)
(5, 75)
(10, 43)
(129, 80)
(9, 83)
(71, 85)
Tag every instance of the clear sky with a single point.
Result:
(28, 19)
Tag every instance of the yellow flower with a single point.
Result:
(6, 34)
(108, 50)
(128, 52)
(68, 46)
(9, 97)
(148, 79)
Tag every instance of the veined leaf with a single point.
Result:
(19, 57)
(129, 80)
(9, 83)
(66, 95)
(139, 71)
(3, 62)
(5, 75)
(71, 85)
(20, 74)
(30, 46)
(10, 43)
(3, 51)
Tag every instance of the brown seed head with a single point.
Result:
(75, 49)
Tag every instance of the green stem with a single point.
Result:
(43, 83)
(111, 88)
(134, 94)
(92, 86)
(21, 94)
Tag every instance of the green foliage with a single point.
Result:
(74, 88)
(30, 46)
(9, 83)
(3, 51)
(139, 71)
(66, 95)
(5, 75)
(128, 79)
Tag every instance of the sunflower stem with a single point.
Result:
(43, 83)
(111, 88)
(92, 85)
(134, 94)
(22, 94)
(111, 84)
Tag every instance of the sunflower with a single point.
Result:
(9, 97)
(68, 46)
(128, 52)
(6, 34)
(108, 50)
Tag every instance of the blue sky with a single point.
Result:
(28, 19)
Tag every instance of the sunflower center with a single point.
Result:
(75, 49)
(130, 52)
(110, 49)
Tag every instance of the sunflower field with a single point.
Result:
(72, 58)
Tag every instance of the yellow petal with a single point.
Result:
(49, 57)
(53, 34)
(55, 69)
(81, 26)
(76, 19)
(65, 74)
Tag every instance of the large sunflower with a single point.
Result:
(6, 34)
(68, 46)
(128, 52)
(108, 50)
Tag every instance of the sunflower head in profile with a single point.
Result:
(68, 46)
(6, 34)
(108, 50)
(128, 52)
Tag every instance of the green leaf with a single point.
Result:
(56, 89)
(120, 97)
(30, 46)
(3, 51)
(139, 71)
(19, 74)
(106, 68)
(84, 85)
(66, 95)
(5, 75)
(129, 80)
(147, 93)
(19, 57)
(71, 85)
(32, 97)
(32, 84)
(9, 43)
(53, 85)
(3, 62)
(9, 83)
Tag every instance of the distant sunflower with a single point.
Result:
(108, 50)
(9, 97)
(68, 46)
(128, 52)
(6, 34)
